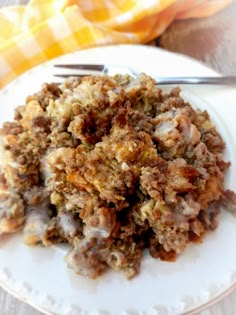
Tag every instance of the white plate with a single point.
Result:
(203, 272)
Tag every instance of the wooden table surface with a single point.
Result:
(211, 40)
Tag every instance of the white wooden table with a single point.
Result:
(211, 40)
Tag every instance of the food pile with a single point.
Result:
(111, 165)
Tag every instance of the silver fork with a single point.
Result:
(81, 70)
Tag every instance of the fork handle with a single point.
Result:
(224, 80)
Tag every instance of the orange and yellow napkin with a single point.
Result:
(44, 29)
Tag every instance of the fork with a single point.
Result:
(110, 69)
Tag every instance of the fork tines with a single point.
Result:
(81, 67)
(75, 75)
(86, 68)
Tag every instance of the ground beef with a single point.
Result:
(111, 165)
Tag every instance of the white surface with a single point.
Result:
(203, 272)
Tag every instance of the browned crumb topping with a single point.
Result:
(111, 165)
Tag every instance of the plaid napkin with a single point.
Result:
(44, 29)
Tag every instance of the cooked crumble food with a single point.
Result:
(111, 166)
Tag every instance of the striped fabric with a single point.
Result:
(45, 29)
